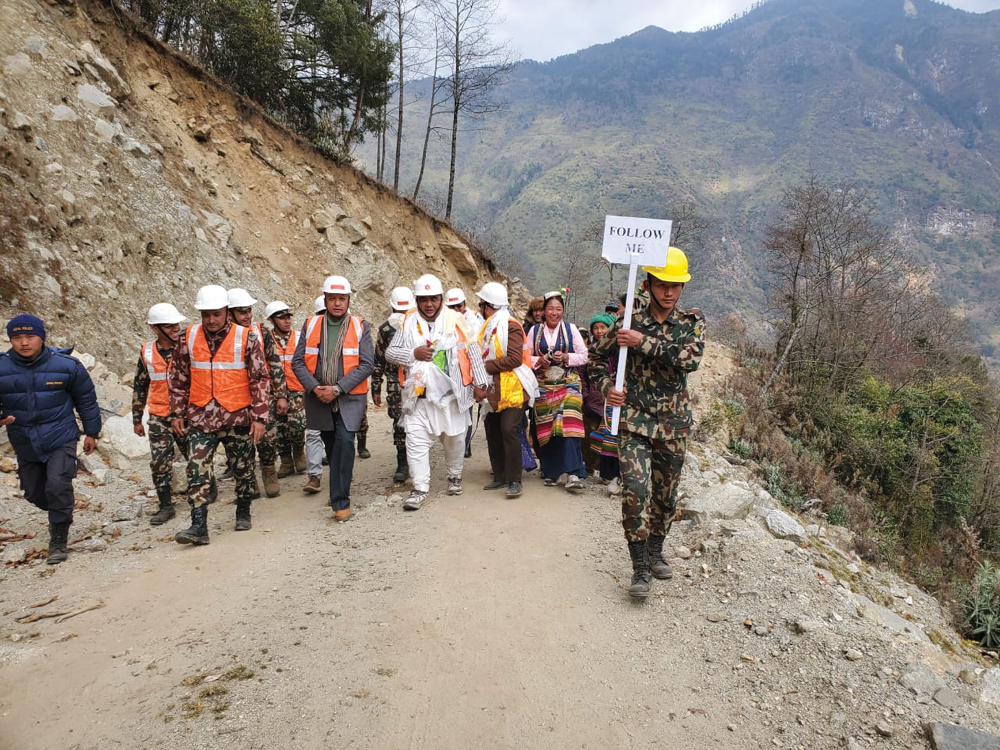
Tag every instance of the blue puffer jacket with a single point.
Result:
(41, 396)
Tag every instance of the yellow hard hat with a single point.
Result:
(676, 269)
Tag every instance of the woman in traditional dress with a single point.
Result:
(556, 349)
(597, 415)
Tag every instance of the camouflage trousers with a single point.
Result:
(162, 442)
(394, 404)
(292, 426)
(650, 474)
(200, 473)
(267, 448)
(362, 433)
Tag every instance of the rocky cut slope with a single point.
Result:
(131, 177)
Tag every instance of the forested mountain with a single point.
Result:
(900, 96)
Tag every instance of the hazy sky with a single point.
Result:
(543, 29)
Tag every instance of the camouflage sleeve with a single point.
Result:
(683, 350)
(279, 386)
(597, 363)
(381, 344)
(140, 391)
(179, 379)
(260, 383)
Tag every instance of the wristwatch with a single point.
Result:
(337, 390)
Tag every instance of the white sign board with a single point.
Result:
(633, 242)
(629, 240)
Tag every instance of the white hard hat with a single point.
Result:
(274, 307)
(336, 285)
(164, 314)
(494, 294)
(454, 297)
(212, 297)
(401, 299)
(319, 305)
(241, 298)
(427, 285)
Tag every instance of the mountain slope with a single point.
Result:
(899, 96)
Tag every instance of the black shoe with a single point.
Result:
(468, 452)
(363, 451)
(58, 536)
(494, 485)
(198, 532)
(641, 577)
(514, 490)
(166, 511)
(657, 565)
(243, 516)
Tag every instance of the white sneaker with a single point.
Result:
(415, 500)
(574, 483)
(614, 488)
(454, 485)
(563, 478)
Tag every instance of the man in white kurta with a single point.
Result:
(442, 363)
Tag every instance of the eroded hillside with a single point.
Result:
(131, 177)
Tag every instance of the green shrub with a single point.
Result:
(837, 515)
(982, 607)
(741, 447)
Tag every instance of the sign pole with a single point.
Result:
(616, 413)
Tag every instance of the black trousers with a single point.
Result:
(48, 485)
(504, 444)
(339, 443)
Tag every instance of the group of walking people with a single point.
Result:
(270, 393)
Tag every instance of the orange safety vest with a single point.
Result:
(286, 353)
(351, 354)
(159, 391)
(464, 363)
(223, 377)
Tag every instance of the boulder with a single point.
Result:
(62, 113)
(322, 220)
(953, 737)
(120, 445)
(920, 680)
(218, 226)
(35, 47)
(96, 100)
(353, 230)
(722, 501)
(991, 687)
(784, 526)
(22, 122)
(887, 618)
(107, 72)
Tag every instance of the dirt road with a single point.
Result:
(476, 621)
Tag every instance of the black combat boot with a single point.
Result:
(402, 468)
(363, 451)
(657, 565)
(242, 515)
(639, 553)
(198, 533)
(166, 511)
(58, 536)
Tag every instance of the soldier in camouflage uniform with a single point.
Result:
(401, 300)
(241, 311)
(291, 426)
(220, 392)
(665, 343)
(150, 385)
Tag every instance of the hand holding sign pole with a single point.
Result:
(637, 242)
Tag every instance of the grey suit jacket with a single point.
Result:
(352, 408)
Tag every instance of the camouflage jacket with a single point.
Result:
(274, 335)
(383, 370)
(657, 402)
(279, 386)
(212, 417)
(140, 384)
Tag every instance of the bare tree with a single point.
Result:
(435, 106)
(477, 65)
